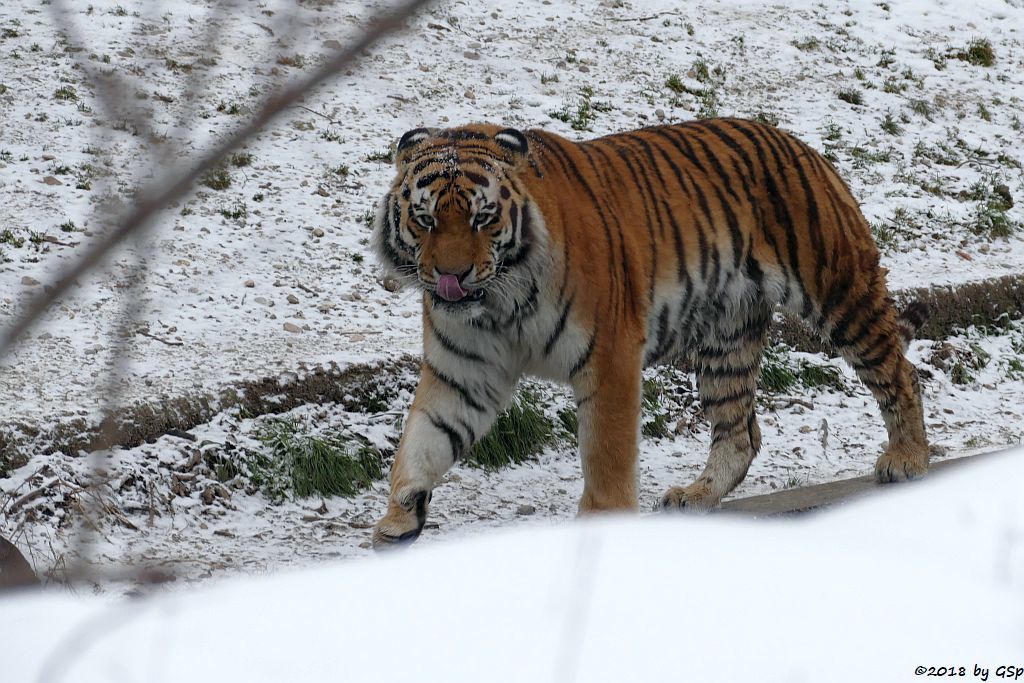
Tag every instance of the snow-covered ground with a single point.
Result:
(915, 581)
(172, 508)
(292, 224)
(227, 275)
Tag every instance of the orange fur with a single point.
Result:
(586, 261)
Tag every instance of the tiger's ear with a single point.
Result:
(410, 141)
(513, 142)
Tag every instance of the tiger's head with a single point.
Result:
(455, 219)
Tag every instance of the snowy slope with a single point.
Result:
(921, 576)
(292, 222)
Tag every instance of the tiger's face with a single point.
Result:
(454, 220)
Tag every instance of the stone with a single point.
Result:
(292, 299)
(318, 232)
(15, 571)
(29, 281)
(471, 54)
(525, 510)
(390, 284)
(250, 284)
(292, 327)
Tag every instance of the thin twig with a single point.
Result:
(314, 111)
(648, 18)
(162, 341)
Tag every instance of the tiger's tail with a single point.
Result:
(911, 319)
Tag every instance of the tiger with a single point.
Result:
(585, 262)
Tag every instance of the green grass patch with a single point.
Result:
(780, 373)
(293, 464)
(978, 52)
(518, 434)
(806, 44)
(217, 179)
(851, 96)
(581, 112)
(65, 93)
(654, 421)
(890, 126)
(382, 156)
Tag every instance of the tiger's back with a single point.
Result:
(607, 255)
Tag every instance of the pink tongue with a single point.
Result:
(449, 288)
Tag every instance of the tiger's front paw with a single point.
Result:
(902, 463)
(403, 522)
(697, 497)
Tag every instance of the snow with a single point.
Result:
(196, 262)
(921, 575)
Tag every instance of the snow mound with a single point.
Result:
(930, 574)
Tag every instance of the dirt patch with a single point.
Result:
(355, 387)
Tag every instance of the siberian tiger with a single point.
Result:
(584, 262)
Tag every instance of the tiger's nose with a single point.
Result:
(460, 277)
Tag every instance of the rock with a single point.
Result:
(1003, 192)
(390, 284)
(48, 157)
(525, 510)
(332, 45)
(292, 299)
(322, 191)
(660, 113)
(250, 284)
(29, 281)
(471, 54)
(15, 571)
(318, 232)
(292, 327)
(50, 180)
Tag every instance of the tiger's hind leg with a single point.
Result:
(727, 371)
(872, 338)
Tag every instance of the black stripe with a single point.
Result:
(455, 386)
(559, 328)
(451, 347)
(646, 194)
(724, 429)
(734, 395)
(726, 372)
(585, 358)
(813, 217)
(854, 313)
(781, 210)
(683, 272)
(702, 240)
(477, 178)
(571, 166)
(453, 436)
